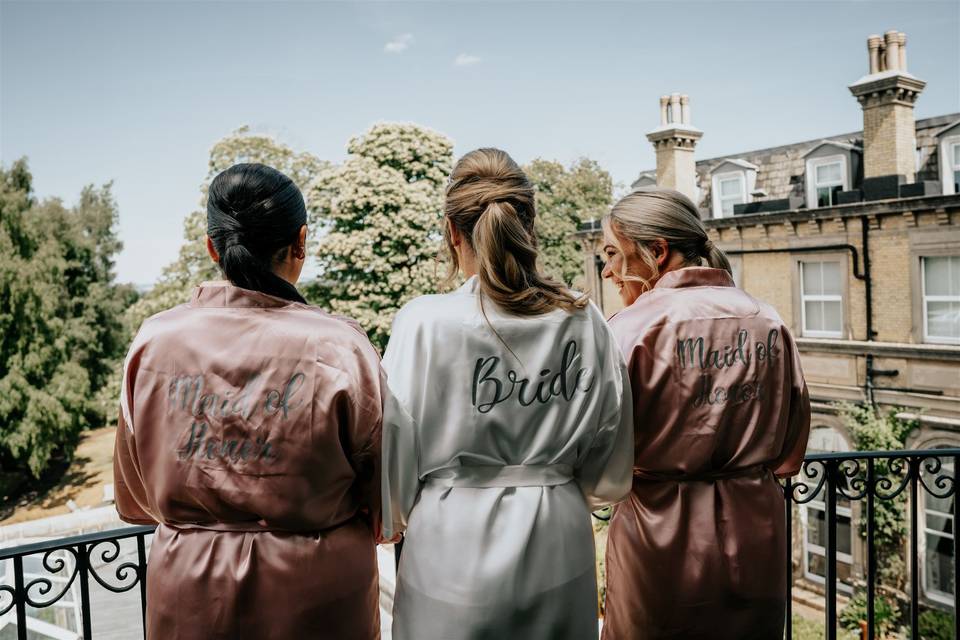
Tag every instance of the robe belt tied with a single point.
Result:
(511, 475)
(754, 471)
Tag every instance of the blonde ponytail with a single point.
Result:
(491, 203)
(654, 213)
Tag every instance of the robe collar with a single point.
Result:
(472, 285)
(223, 293)
(695, 277)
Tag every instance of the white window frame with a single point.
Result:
(812, 185)
(816, 549)
(718, 197)
(934, 594)
(924, 298)
(832, 297)
(820, 505)
(947, 166)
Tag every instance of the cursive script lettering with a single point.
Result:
(489, 390)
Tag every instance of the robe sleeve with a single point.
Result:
(130, 493)
(401, 457)
(606, 472)
(363, 429)
(798, 412)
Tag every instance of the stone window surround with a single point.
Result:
(946, 163)
(827, 256)
(930, 244)
(811, 168)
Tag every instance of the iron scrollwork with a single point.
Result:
(127, 574)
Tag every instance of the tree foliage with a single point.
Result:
(193, 265)
(567, 196)
(382, 210)
(60, 317)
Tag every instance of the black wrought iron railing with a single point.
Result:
(870, 479)
(66, 566)
(878, 479)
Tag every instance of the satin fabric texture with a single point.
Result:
(720, 409)
(250, 430)
(506, 433)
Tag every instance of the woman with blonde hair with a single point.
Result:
(720, 411)
(512, 388)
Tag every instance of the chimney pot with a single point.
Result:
(685, 109)
(674, 108)
(902, 41)
(891, 40)
(663, 109)
(873, 46)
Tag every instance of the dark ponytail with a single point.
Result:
(254, 213)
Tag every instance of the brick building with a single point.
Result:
(855, 239)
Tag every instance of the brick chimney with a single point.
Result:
(674, 141)
(887, 94)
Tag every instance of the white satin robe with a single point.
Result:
(493, 479)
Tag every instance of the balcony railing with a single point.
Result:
(866, 478)
(872, 478)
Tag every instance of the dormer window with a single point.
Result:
(731, 183)
(828, 181)
(831, 167)
(950, 158)
(732, 191)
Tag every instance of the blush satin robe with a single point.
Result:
(250, 431)
(493, 478)
(721, 408)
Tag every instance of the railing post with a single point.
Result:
(914, 550)
(831, 500)
(871, 552)
(956, 556)
(21, 595)
(142, 576)
(788, 515)
(83, 570)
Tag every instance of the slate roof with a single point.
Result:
(781, 169)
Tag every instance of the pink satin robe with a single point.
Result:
(250, 430)
(698, 549)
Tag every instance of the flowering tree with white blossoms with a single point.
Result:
(193, 265)
(382, 212)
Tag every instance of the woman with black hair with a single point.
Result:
(250, 432)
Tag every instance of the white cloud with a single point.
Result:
(398, 44)
(465, 59)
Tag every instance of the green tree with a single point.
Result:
(567, 196)
(60, 317)
(193, 265)
(383, 210)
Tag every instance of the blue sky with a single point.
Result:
(138, 92)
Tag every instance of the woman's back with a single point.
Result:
(717, 377)
(514, 435)
(507, 426)
(245, 409)
(250, 432)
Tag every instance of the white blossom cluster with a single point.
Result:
(382, 211)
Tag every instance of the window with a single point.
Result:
(821, 299)
(813, 517)
(938, 582)
(731, 192)
(955, 165)
(828, 181)
(941, 299)
(826, 177)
